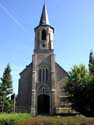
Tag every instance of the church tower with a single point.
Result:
(42, 81)
(43, 70)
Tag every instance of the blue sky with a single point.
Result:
(73, 21)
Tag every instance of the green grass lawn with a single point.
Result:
(13, 118)
(27, 119)
(58, 120)
(16, 116)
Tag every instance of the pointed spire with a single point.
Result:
(44, 16)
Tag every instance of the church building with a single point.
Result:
(41, 83)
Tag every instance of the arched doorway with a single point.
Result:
(43, 104)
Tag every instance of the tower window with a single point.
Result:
(43, 34)
(43, 45)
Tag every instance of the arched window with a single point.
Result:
(43, 34)
(39, 74)
(46, 74)
(43, 73)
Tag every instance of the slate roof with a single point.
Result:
(44, 16)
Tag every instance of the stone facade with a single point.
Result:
(42, 81)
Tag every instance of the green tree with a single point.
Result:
(6, 89)
(80, 86)
(90, 96)
(90, 87)
(1, 99)
(76, 86)
(91, 64)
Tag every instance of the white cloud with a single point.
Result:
(15, 20)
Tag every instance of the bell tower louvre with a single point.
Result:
(42, 81)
